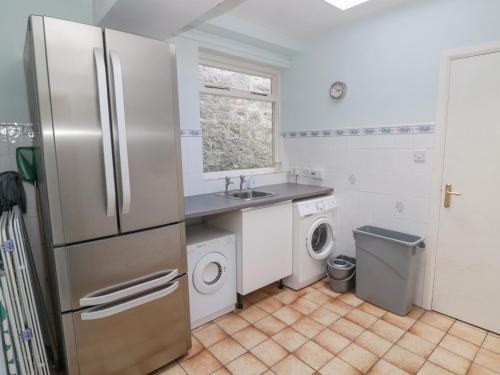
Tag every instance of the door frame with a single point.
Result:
(438, 160)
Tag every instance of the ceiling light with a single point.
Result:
(345, 4)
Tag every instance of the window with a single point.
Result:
(238, 112)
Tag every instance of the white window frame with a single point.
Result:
(253, 69)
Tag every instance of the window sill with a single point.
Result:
(246, 172)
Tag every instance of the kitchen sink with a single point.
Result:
(246, 195)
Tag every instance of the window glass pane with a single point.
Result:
(234, 80)
(237, 133)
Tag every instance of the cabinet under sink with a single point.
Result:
(263, 243)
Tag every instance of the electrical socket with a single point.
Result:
(313, 173)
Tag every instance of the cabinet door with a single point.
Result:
(144, 112)
(266, 247)
(80, 123)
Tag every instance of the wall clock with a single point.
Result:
(338, 90)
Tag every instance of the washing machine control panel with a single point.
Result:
(315, 206)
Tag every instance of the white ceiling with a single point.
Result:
(303, 19)
(157, 19)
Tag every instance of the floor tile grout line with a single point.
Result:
(289, 301)
(477, 353)
(310, 339)
(396, 342)
(427, 358)
(354, 341)
(481, 365)
(439, 344)
(392, 344)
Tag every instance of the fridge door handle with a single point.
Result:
(102, 90)
(122, 132)
(99, 298)
(100, 313)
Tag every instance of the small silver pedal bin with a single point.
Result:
(341, 273)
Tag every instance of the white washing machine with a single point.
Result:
(211, 256)
(314, 223)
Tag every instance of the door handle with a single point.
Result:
(448, 194)
(122, 132)
(102, 90)
(114, 294)
(104, 312)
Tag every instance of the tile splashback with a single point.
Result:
(375, 178)
(326, 149)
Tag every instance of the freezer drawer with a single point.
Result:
(104, 271)
(131, 337)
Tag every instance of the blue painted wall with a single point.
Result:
(390, 62)
(13, 20)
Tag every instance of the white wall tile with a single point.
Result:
(369, 174)
(5, 163)
(383, 173)
(357, 142)
(31, 203)
(4, 145)
(425, 141)
(383, 141)
(403, 140)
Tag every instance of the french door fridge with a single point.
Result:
(104, 106)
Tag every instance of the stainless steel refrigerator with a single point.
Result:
(104, 106)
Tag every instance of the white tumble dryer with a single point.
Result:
(314, 222)
(211, 254)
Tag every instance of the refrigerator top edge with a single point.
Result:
(41, 16)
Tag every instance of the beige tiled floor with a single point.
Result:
(316, 330)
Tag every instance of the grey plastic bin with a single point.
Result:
(386, 267)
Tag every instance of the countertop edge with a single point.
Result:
(321, 190)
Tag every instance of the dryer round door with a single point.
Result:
(320, 239)
(210, 273)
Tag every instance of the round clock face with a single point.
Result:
(338, 90)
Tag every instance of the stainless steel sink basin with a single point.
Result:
(246, 195)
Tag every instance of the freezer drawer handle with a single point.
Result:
(121, 307)
(102, 89)
(165, 278)
(122, 132)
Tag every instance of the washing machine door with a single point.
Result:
(210, 273)
(320, 239)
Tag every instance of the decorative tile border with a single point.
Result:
(380, 130)
(190, 132)
(12, 131)
(16, 129)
